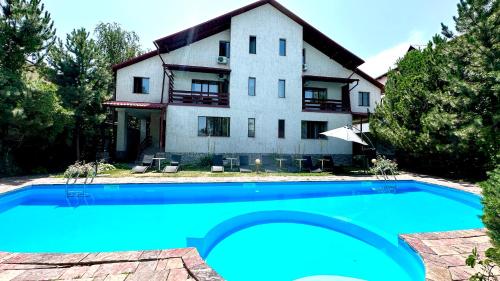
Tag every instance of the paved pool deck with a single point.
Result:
(443, 253)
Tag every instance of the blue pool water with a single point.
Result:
(245, 231)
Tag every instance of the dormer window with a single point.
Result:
(141, 85)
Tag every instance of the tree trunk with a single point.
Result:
(77, 139)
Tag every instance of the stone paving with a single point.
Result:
(170, 265)
(443, 253)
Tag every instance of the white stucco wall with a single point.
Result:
(319, 64)
(364, 86)
(201, 53)
(268, 25)
(151, 68)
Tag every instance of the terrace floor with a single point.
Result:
(443, 253)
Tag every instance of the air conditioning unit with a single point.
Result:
(222, 60)
(304, 67)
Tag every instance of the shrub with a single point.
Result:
(80, 169)
(384, 165)
(491, 215)
(104, 167)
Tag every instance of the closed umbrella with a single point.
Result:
(344, 133)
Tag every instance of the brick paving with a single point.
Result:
(443, 253)
(168, 265)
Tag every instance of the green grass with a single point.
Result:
(123, 170)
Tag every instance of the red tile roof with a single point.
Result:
(138, 105)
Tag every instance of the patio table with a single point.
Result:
(159, 159)
(300, 162)
(231, 159)
(323, 160)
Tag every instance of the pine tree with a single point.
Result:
(80, 72)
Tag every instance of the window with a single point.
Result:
(141, 85)
(283, 47)
(224, 47)
(281, 88)
(251, 86)
(312, 129)
(213, 126)
(205, 86)
(281, 129)
(364, 99)
(304, 56)
(315, 94)
(251, 127)
(252, 48)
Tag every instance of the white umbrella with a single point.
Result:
(344, 133)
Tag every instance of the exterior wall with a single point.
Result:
(151, 68)
(364, 86)
(268, 25)
(319, 64)
(201, 53)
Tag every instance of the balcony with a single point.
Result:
(326, 94)
(199, 98)
(208, 86)
(312, 104)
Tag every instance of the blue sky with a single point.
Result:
(375, 30)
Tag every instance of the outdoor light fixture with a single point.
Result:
(257, 164)
(374, 161)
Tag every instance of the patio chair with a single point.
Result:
(290, 164)
(244, 164)
(175, 164)
(308, 165)
(217, 164)
(329, 165)
(269, 164)
(147, 161)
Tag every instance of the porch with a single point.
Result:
(138, 126)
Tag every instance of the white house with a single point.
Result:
(257, 80)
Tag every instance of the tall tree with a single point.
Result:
(80, 72)
(115, 43)
(442, 103)
(26, 33)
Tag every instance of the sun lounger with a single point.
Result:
(244, 164)
(175, 164)
(217, 164)
(308, 165)
(269, 164)
(147, 161)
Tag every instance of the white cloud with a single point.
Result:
(386, 59)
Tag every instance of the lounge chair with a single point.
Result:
(147, 161)
(269, 164)
(244, 164)
(308, 165)
(290, 164)
(175, 164)
(217, 164)
(329, 165)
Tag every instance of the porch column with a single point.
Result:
(121, 134)
(143, 129)
(154, 128)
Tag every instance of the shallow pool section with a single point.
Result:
(246, 231)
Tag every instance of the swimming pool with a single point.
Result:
(245, 231)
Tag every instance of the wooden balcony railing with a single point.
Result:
(199, 98)
(330, 105)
